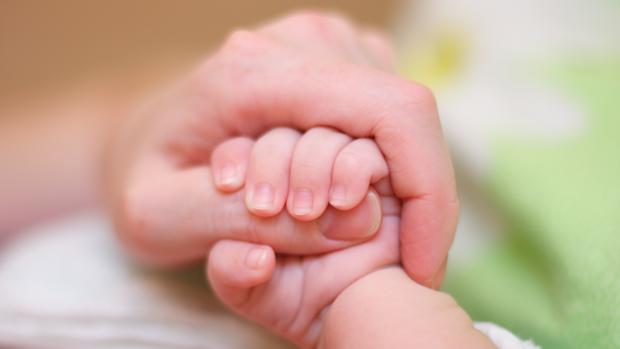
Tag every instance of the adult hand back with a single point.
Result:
(301, 71)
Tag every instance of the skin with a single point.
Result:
(398, 313)
(291, 297)
(287, 162)
(353, 298)
(314, 300)
(50, 147)
(51, 143)
(342, 78)
(163, 155)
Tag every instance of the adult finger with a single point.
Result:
(175, 217)
(379, 49)
(321, 34)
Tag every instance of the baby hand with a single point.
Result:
(305, 173)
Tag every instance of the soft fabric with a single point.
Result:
(555, 277)
(503, 338)
(67, 284)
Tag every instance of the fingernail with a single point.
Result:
(229, 176)
(338, 195)
(351, 225)
(325, 223)
(302, 202)
(262, 196)
(373, 200)
(256, 258)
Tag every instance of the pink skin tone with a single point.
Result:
(303, 71)
(385, 309)
(293, 295)
(325, 166)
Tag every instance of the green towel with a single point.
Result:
(529, 94)
(556, 277)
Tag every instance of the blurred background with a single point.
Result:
(528, 94)
(44, 45)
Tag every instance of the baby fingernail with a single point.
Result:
(302, 202)
(262, 196)
(256, 258)
(229, 177)
(338, 195)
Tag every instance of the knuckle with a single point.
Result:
(281, 132)
(222, 148)
(341, 22)
(236, 65)
(278, 140)
(328, 137)
(340, 19)
(309, 17)
(317, 131)
(233, 63)
(311, 20)
(266, 147)
(365, 145)
(417, 96)
(306, 175)
(234, 52)
(424, 94)
(237, 143)
(244, 41)
(348, 160)
(321, 132)
(230, 149)
(132, 227)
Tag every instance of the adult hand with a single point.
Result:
(302, 71)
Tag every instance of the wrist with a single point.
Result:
(386, 309)
(351, 304)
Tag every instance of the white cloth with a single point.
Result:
(502, 338)
(68, 285)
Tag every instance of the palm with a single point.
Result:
(293, 302)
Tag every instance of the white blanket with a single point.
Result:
(68, 285)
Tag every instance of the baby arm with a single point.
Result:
(386, 309)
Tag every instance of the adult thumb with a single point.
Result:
(175, 217)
